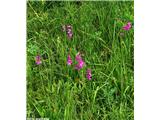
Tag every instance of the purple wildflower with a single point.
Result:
(89, 75)
(68, 27)
(80, 63)
(69, 31)
(78, 57)
(127, 27)
(38, 60)
(69, 60)
(69, 35)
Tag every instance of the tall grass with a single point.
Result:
(57, 91)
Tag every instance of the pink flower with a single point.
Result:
(38, 60)
(80, 63)
(89, 75)
(69, 60)
(78, 57)
(69, 35)
(127, 27)
(68, 27)
(69, 31)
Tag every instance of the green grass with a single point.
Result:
(57, 91)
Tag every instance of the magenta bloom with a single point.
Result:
(69, 60)
(127, 27)
(69, 31)
(38, 60)
(89, 75)
(69, 35)
(80, 63)
(78, 57)
(68, 27)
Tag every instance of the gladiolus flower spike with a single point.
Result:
(89, 75)
(69, 60)
(69, 31)
(80, 63)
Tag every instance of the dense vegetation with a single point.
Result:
(58, 91)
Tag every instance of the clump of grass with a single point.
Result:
(56, 90)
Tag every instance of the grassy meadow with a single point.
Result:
(56, 90)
